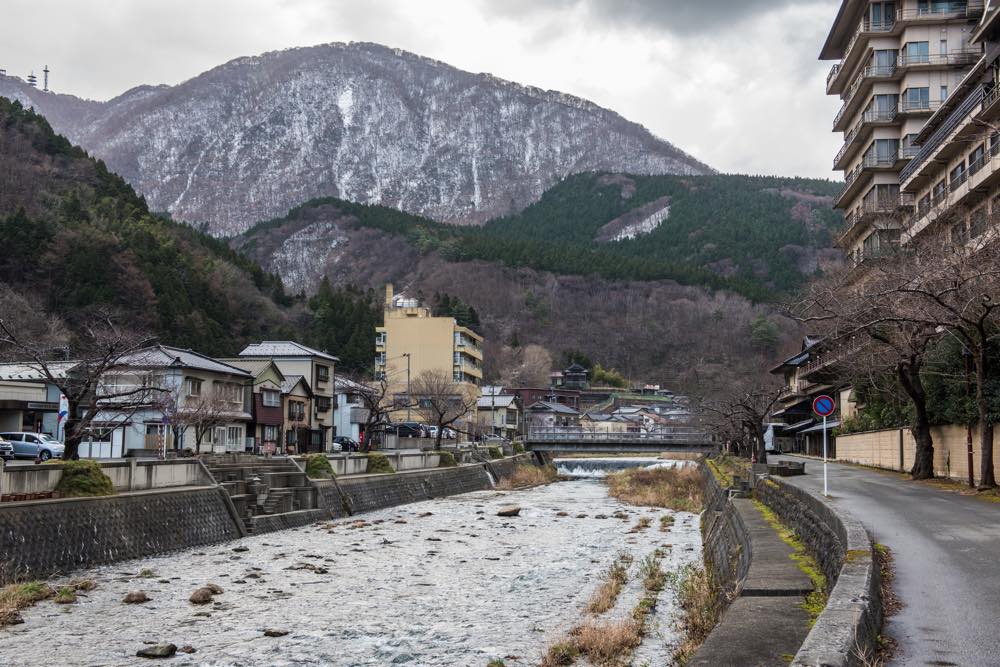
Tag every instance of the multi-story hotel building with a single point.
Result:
(955, 176)
(412, 340)
(899, 63)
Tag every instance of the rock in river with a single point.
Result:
(509, 510)
(136, 597)
(157, 651)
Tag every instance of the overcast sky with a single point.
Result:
(734, 82)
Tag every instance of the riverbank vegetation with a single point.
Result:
(318, 467)
(614, 580)
(610, 643)
(700, 601)
(526, 475)
(676, 488)
(83, 478)
(378, 463)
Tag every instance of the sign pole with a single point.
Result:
(826, 488)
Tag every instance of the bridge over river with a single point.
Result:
(560, 440)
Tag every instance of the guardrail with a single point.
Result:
(696, 438)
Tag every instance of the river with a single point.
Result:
(442, 582)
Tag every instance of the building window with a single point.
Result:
(192, 387)
(296, 411)
(322, 373)
(957, 175)
(916, 52)
(322, 403)
(977, 222)
(943, 47)
(882, 15)
(917, 98)
(940, 190)
(944, 93)
(977, 158)
(511, 418)
(270, 434)
(270, 398)
(234, 437)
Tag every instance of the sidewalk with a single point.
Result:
(945, 548)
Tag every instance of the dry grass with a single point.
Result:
(701, 606)
(528, 475)
(674, 488)
(608, 643)
(606, 595)
(666, 521)
(15, 597)
(641, 524)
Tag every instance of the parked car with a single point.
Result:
(342, 443)
(408, 430)
(495, 440)
(34, 445)
(6, 449)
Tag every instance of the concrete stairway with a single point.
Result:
(262, 487)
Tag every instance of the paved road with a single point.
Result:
(947, 553)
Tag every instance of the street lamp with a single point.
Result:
(409, 397)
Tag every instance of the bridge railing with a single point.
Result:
(552, 435)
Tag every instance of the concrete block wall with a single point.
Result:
(372, 492)
(726, 542)
(42, 538)
(882, 450)
(125, 475)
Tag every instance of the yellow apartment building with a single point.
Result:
(412, 340)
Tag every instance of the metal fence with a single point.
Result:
(686, 437)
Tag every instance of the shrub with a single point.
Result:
(495, 453)
(318, 467)
(82, 479)
(65, 595)
(700, 601)
(519, 448)
(378, 463)
(447, 460)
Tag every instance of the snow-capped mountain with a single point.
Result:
(251, 139)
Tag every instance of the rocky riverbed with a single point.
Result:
(444, 582)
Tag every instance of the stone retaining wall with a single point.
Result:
(46, 537)
(849, 625)
(126, 475)
(726, 543)
(373, 492)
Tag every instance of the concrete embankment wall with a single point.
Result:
(848, 627)
(894, 449)
(41, 538)
(46, 537)
(125, 475)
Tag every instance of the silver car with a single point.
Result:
(34, 445)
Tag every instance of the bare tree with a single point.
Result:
(373, 395)
(442, 401)
(96, 346)
(737, 415)
(201, 414)
(863, 325)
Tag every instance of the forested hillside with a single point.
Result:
(758, 236)
(76, 236)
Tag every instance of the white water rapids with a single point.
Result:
(457, 586)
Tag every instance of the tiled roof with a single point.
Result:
(291, 381)
(163, 356)
(254, 365)
(283, 348)
(500, 401)
(28, 371)
(554, 407)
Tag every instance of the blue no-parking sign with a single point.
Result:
(824, 406)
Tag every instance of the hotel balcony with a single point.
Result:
(857, 48)
(855, 179)
(858, 92)
(879, 213)
(966, 190)
(857, 137)
(951, 137)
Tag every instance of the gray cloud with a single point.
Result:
(676, 16)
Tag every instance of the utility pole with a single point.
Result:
(409, 397)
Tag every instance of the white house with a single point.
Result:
(180, 389)
(350, 414)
